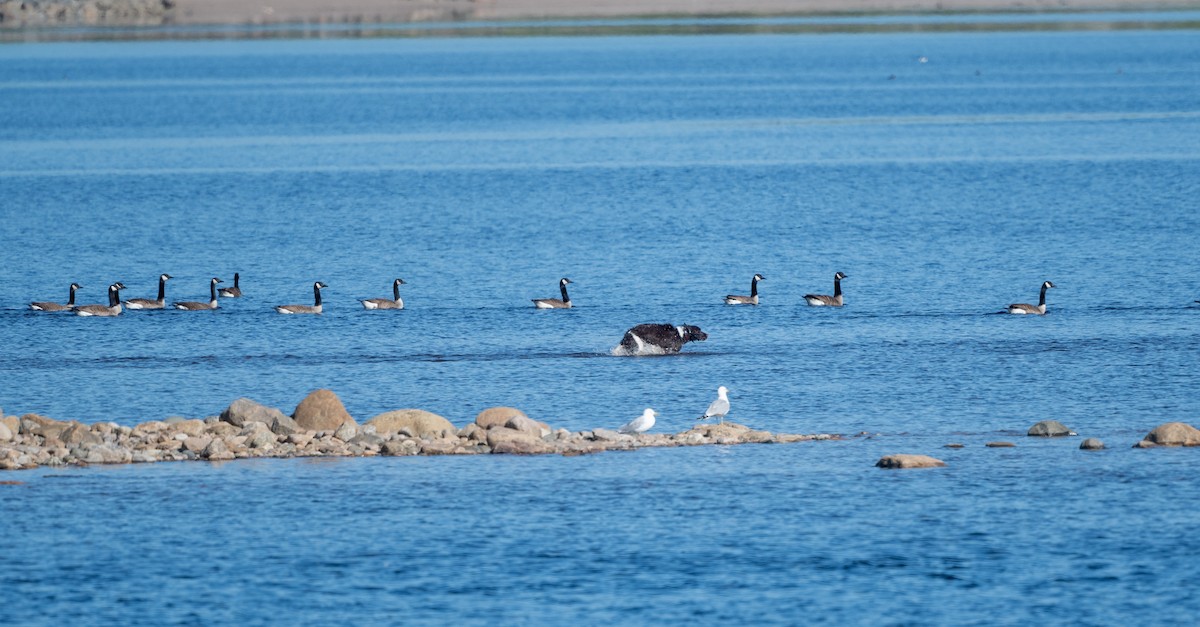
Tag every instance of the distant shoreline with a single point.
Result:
(59, 20)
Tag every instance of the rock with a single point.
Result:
(497, 416)
(953, 445)
(321, 410)
(106, 454)
(1049, 429)
(1174, 434)
(193, 428)
(513, 442)
(33, 424)
(1091, 444)
(400, 447)
(222, 429)
(300, 439)
(418, 423)
(607, 435)
(13, 423)
(528, 425)
(217, 451)
(1000, 444)
(6, 434)
(245, 410)
(258, 435)
(367, 440)
(442, 446)
(347, 431)
(473, 432)
(80, 434)
(757, 437)
(153, 426)
(909, 461)
(285, 425)
(1145, 444)
(197, 444)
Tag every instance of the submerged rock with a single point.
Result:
(1174, 434)
(321, 410)
(909, 461)
(1091, 444)
(1049, 429)
(1000, 445)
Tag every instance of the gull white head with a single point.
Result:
(722, 392)
(649, 413)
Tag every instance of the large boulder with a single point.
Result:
(1049, 429)
(321, 410)
(498, 416)
(244, 410)
(1174, 434)
(909, 461)
(418, 422)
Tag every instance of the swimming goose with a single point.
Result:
(146, 303)
(193, 305)
(640, 424)
(718, 408)
(231, 292)
(41, 306)
(383, 303)
(1039, 309)
(112, 309)
(752, 299)
(305, 309)
(554, 303)
(821, 300)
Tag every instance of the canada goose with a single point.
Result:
(383, 303)
(41, 306)
(231, 292)
(146, 303)
(659, 339)
(112, 309)
(752, 299)
(718, 408)
(193, 305)
(1039, 309)
(640, 424)
(821, 300)
(305, 309)
(554, 303)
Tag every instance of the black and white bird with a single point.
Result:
(48, 306)
(556, 303)
(660, 339)
(232, 292)
(752, 299)
(383, 303)
(112, 309)
(718, 408)
(1025, 308)
(146, 303)
(315, 308)
(641, 424)
(195, 305)
(823, 300)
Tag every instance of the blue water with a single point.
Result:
(659, 174)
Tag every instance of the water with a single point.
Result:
(659, 174)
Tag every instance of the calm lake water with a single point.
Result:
(947, 174)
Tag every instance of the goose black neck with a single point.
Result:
(395, 291)
(162, 289)
(235, 279)
(753, 288)
(71, 298)
(837, 287)
(317, 295)
(562, 287)
(1042, 297)
(114, 297)
(212, 291)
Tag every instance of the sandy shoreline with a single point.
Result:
(19, 15)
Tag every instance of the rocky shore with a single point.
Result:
(321, 427)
